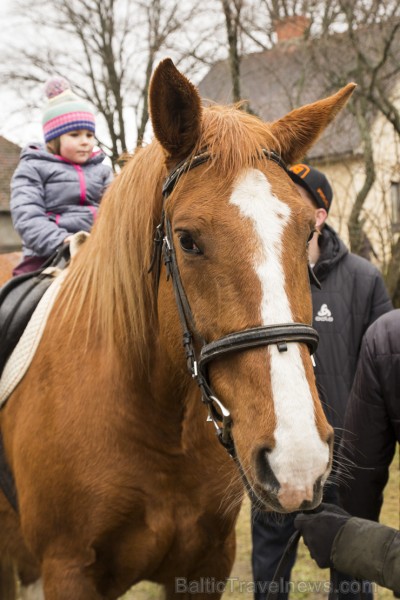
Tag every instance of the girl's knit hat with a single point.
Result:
(64, 111)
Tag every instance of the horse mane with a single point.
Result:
(234, 139)
(109, 276)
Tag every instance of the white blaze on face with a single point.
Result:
(299, 456)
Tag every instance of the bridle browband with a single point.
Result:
(265, 335)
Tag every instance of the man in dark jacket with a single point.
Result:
(371, 431)
(372, 420)
(351, 297)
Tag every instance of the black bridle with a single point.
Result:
(279, 335)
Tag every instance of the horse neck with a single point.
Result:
(152, 393)
(147, 361)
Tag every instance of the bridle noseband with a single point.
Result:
(279, 335)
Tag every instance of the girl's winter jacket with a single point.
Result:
(52, 198)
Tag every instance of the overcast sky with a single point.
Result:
(16, 124)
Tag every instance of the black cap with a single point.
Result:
(314, 182)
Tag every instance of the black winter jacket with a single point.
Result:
(372, 421)
(351, 297)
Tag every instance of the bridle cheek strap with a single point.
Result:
(280, 335)
(256, 337)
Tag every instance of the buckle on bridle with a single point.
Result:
(221, 418)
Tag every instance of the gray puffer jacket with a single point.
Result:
(52, 198)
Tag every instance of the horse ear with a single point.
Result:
(299, 129)
(175, 110)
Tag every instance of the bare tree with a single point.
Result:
(262, 18)
(232, 11)
(162, 22)
(374, 67)
(371, 43)
(347, 40)
(95, 59)
(106, 48)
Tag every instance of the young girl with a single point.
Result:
(57, 187)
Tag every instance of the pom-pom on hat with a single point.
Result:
(64, 111)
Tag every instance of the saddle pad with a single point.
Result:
(23, 353)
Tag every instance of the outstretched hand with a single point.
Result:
(319, 529)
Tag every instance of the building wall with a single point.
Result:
(347, 178)
(344, 177)
(378, 207)
(9, 239)
(9, 157)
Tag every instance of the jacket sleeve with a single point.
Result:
(380, 303)
(368, 550)
(108, 177)
(28, 211)
(368, 442)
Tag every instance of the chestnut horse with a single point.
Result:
(118, 474)
(7, 264)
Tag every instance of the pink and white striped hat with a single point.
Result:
(64, 111)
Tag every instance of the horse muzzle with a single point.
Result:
(286, 499)
(292, 487)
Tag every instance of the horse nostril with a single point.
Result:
(317, 496)
(264, 472)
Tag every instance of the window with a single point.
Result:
(395, 193)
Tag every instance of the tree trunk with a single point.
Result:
(393, 275)
(232, 25)
(355, 224)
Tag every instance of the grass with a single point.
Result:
(305, 569)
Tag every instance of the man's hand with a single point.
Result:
(319, 530)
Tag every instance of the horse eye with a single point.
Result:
(188, 244)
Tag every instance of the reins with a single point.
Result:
(280, 334)
(274, 591)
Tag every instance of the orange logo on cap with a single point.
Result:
(300, 170)
(323, 197)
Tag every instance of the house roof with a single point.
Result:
(9, 157)
(291, 74)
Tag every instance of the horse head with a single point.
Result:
(237, 231)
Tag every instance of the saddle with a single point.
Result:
(19, 298)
